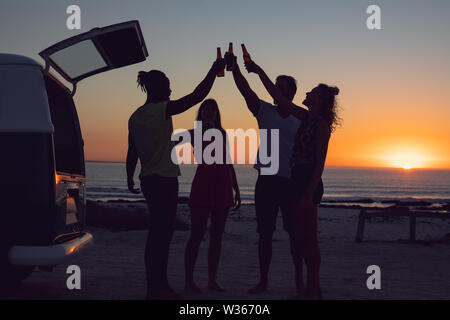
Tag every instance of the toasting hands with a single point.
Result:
(231, 59)
(218, 65)
(251, 66)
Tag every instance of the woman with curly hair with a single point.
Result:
(307, 162)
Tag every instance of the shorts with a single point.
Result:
(271, 194)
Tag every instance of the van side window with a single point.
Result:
(68, 142)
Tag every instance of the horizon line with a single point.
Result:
(330, 166)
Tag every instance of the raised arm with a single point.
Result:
(132, 158)
(251, 99)
(200, 92)
(283, 102)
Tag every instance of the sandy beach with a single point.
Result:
(113, 267)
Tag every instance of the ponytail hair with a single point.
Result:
(142, 80)
(154, 83)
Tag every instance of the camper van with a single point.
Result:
(42, 169)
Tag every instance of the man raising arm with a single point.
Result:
(150, 131)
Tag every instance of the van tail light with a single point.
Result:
(71, 206)
(57, 178)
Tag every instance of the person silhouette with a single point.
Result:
(149, 140)
(307, 162)
(211, 194)
(272, 192)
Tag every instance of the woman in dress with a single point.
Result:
(211, 195)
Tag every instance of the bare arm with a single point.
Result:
(276, 94)
(200, 92)
(237, 197)
(251, 99)
(132, 158)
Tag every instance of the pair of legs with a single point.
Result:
(265, 258)
(304, 227)
(161, 194)
(271, 194)
(306, 243)
(199, 221)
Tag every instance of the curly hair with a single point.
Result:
(329, 110)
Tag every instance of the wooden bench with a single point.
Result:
(412, 214)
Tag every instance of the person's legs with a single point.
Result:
(265, 257)
(297, 258)
(312, 253)
(298, 240)
(162, 196)
(218, 220)
(291, 225)
(199, 220)
(312, 250)
(266, 213)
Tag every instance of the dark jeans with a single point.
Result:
(161, 194)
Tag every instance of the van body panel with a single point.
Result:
(27, 188)
(23, 98)
(8, 59)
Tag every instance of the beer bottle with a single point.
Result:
(246, 54)
(229, 60)
(221, 73)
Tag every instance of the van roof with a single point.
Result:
(14, 59)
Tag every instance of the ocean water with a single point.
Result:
(107, 181)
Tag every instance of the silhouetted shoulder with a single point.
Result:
(264, 108)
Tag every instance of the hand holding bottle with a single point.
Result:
(230, 63)
(221, 72)
(251, 66)
(218, 65)
(245, 54)
(230, 59)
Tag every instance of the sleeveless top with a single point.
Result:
(304, 150)
(151, 132)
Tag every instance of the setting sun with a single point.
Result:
(407, 159)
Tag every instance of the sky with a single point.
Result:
(394, 90)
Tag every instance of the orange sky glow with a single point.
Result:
(394, 88)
